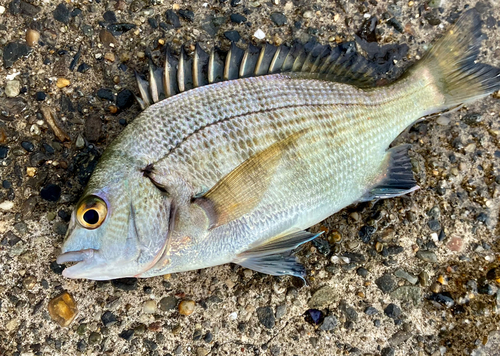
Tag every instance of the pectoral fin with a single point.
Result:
(242, 189)
(275, 257)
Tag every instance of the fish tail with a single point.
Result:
(452, 64)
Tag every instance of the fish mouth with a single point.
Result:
(82, 257)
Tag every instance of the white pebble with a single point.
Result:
(2, 10)
(6, 205)
(13, 88)
(259, 34)
(308, 14)
(149, 307)
(233, 316)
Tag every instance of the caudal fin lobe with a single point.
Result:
(452, 63)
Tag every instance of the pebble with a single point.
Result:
(12, 88)
(14, 51)
(6, 205)
(427, 256)
(348, 311)
(149, 307)
(259, 34)
(201, 351)
(108, 319)
(2, 9)
(32, 37)
(442, 298)
(28, 146)
(127, 334)
(187, 14)
(29, 282)
(280, 311)
(386, 283)
(172, 19)
(94, 338)
(232, 35)
(314, 316)
(329, 323)
(62, 309)
(392, 311)
(186, 307)
(106, 38)
(408, 294)
(62, 83)
(424, 279)
(405, 275)
(238, 18)
(363, 272)
(51, 192)
(125, 99)
(387, 351)
(266, 317)
(80, 142)
(110, 16)
(308, 14)
(61, 13)
(371, 311)
(40, 96)
(322, 298)
(279, 18)
(126, 284)
(3, 151)
(434, 225)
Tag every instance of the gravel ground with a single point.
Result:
(414, 275)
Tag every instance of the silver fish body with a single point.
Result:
(236, 171)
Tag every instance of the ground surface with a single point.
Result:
(410, 276)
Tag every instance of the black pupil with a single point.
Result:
(91, 217)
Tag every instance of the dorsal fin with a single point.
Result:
(341, 63)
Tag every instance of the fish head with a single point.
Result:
(118, 229)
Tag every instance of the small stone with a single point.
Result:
(387, 351)
(12, 88)
(408, 294)
(80, 142)
(62, 83)
(51, 192)
(186, 307)
(308, 14)
(424, 279)
(232, 35)
(125, 99)
(208, 337)
(3, 152)
(371, 311)
(62, 309)
(348, 311)
(386, 283)
(329, 323)
(127, 334)
(13, 51)
(149, 307)
(6, 205)
(172, 19)
(442, 298)
(82, 68)
(266, 317)
(108, 319)
(434, 225)
(109, 56)
(28, 146)
(427, 256)
(363, 272)
(400, 273)
(322, 298)
(392, 311)
(280, 311)
(61, 13)
(399, 337)
(107, 39)
(314, 316)
(109, 16)
(29, 282)
(40, 96)
(201, 351)
(455, 244)
(168, 303)
(278, 18)
(187, 15)
(238, 18)
(94, 338)
(32, 37)
(259, 34)
(125, 284)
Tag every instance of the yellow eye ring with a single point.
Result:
(91, 212)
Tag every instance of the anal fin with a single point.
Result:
(275, 257)
(398, 176)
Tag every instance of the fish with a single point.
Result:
(233, 159)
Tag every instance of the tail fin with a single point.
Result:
(452, 63)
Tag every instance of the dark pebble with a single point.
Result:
(395, 24)
(208, 337)
(365, 233)
(82, 68)
(392, 311)
(434, 225)
(150, 344)
(108, 319)
(242, 326)
(120, 28)
(363, 272)
(122, 122)
(61, 13)
(40, 96)
(81, 345)
(109, 16)
(28, 146)
(322, 245)
(487, 289)
(56, 267)
(314, 316)
(13, 51)
(355, 257)
(6, 184)
(493, 273)
(266, 317)
(472, 119)
(125, 283)
(51, 192)
(376, 323)
(187, 14)
(482, 218)
(394, 250)
(125, 99)
(64, 215)
(235, 2)
(348, 311)
(329, 323)
(371, 311)
(232, 35)
(75, 60)
(386, 283)
(168, 303)
(432, 19)
(152, 22)
(171, 18)
(126, 334)
(76, 11)
(106, 94)
(497, 179)
(60, 228)
(66, 104)
(387, 351)
(278, 18)
(427, 256)
(238, 18)
(442, 298)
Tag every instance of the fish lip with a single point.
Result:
(76, 256)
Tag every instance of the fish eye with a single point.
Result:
(91, 212)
